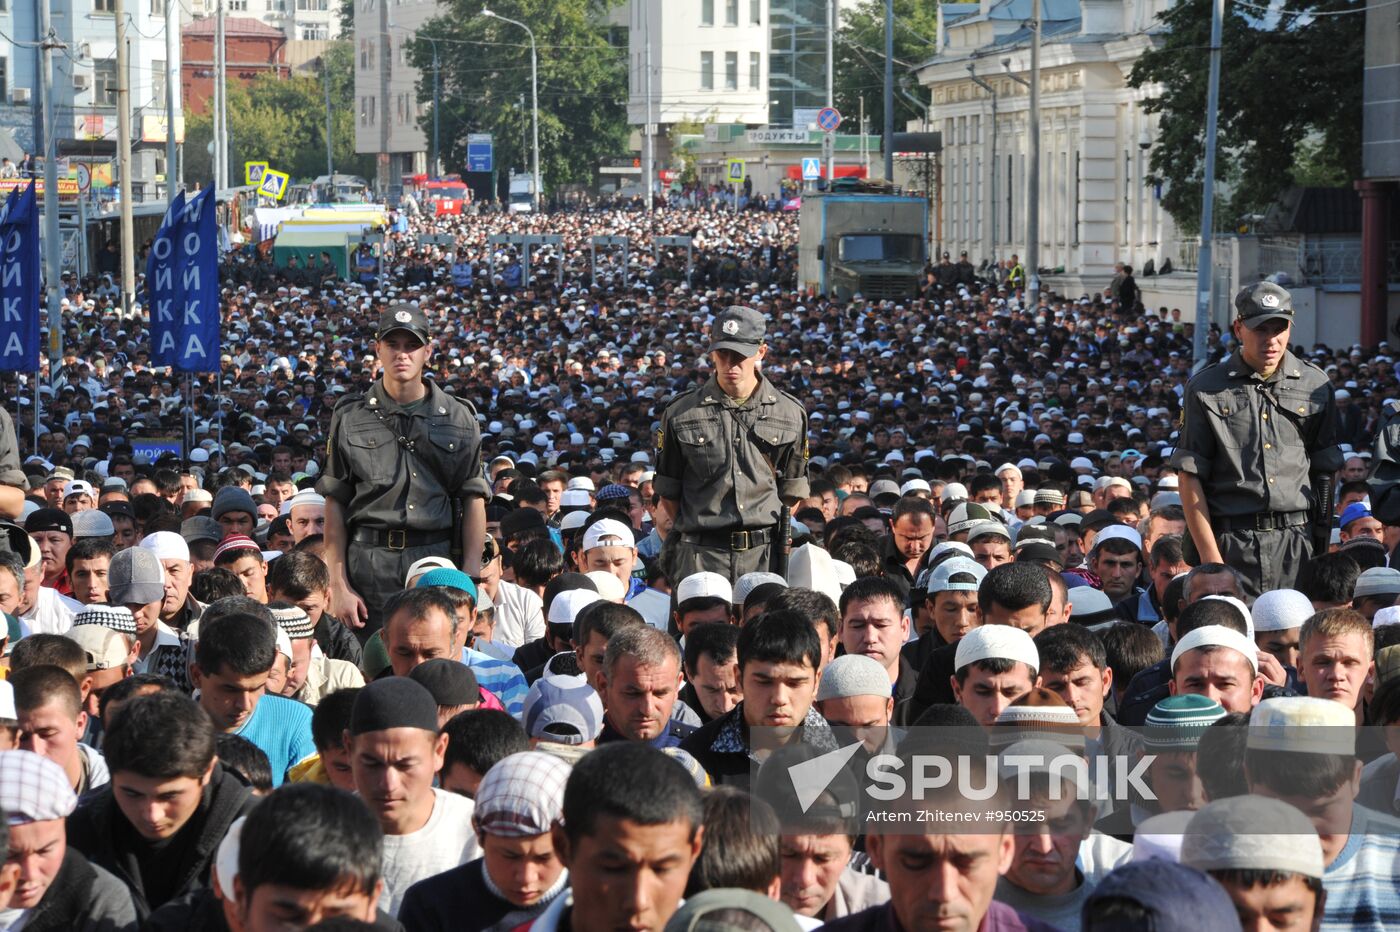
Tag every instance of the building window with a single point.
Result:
(158, 83)
(313, 6)
(104, 80)
(707, 71)
(707, 12)
(731, 12)
(4, 79)
(102, 6)
(238, 6)
(755, 71)
(756, 12)
(157, 7)
(315, 32)
(731, 71)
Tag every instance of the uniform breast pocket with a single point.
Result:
(1231, 419)
(773, 436)
(371, 454)
(701, 447)
(449, 448)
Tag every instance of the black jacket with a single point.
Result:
(82, 899)
(96, 827)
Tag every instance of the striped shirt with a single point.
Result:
(1362, 892)
(501, 677)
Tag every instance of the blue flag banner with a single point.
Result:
(19, 284)
(197, 271)
(162, 287)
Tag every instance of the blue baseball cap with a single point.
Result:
(1354, 512)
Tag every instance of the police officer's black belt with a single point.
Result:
(731, 540)
(1263, 521)
(398, 540)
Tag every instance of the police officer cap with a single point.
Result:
(1262, 302)
(403, 317)
(739, 329)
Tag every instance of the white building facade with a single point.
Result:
(1096, 207)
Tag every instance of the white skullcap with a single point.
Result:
(1279, 725)
(418, 567)
(853, 675)
(1160, 836)
(1282, 610)
(1118, 532)
(811, 567)
(574, 498)
(226, 861)
(996, 642)
(1217, 636)
(598, 533)
(581, 482)
(1243, 609)
(955, 492)
(1024, 498)
(610, 588)
(704, 585)
(1081, 462)
(1008, 467)
(915, 485)
(1252, 833)
(573, 520)
(956, 546)
(284, 642)
(567, 604)
(305, 497)
(751, 581)
(166, 545)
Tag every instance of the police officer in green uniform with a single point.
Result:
(729, 454)
(1258, 438)
(397, 458)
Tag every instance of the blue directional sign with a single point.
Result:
(480, 152)
(811, 169)
(828, 118)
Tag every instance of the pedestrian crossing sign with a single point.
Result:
(253, 172)
(736, 170)
(811, 169)
(274, 184)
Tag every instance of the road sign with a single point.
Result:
(480, 152)
(828, 118)
(736, 170)
(253, 172)
(84, 178)
(811, 169)
(274, 184)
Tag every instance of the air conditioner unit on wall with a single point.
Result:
(81, 82)
(20, 95)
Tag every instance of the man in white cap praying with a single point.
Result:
(994, 666)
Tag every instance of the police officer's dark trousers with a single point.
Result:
(377, 573)
(1268, 559)
(729, 563)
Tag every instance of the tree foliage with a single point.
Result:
(1290, 103)
(484, 73)
(283, 121)
(860, 59)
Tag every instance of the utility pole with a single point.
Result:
(534, 93)
(829, 139)
(972, 70)
(648, 144)
(1205, 268)
(436, 169)
(172, 89)
(1033, 183)
(123, 161)
(220, 94)
(888, 144)
(53, 247)
(223, 99)
(330, 159)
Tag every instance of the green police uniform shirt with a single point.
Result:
(730, 465)
(383, 485)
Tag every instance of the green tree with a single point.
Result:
(282, 121)
(860, 59)
(484, 74)
(1314, 63)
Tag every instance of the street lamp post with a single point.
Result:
(534, 94)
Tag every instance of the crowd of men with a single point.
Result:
(492, 596)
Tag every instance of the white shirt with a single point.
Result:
(654, 606)
(519, 615)
(52, 612)
(445, 841)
